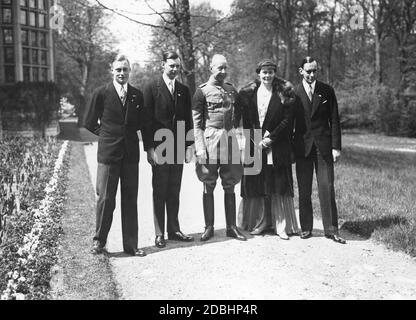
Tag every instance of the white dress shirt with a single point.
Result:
(263, 99)
(308, 87)
(168, 82)
(118, 88)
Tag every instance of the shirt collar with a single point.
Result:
(118, 87)
(167, 80)
(307, 85)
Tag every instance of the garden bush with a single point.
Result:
(366, 104)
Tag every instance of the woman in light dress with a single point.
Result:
(267, 198)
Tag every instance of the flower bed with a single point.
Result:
(32, 195)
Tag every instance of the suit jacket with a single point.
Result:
(277, 121)
(115, 124)
(317, 122)
(165, 111)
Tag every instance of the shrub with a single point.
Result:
(29, 106)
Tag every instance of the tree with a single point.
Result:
(83, 44)
(377, 11)
(176, 21)
(284, 16)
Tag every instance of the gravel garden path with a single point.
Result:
(263, 268)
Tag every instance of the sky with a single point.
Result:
(134, 39)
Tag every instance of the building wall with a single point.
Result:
(26, 43)
(26, 55)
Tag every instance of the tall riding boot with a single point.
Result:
(208, 201)
(230, 213)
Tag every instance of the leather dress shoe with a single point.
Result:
(336, 238)
(233, 232)
(137, 253)
(179, 236)
(98, 247)
(208, 233)
(306, 234)
(160, 242)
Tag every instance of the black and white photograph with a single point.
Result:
(207, 156)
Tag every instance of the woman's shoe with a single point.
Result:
(256, 232)
(283, 236)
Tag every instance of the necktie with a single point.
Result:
(310, 93)
(171, 87)
(123, 95)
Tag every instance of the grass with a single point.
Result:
(376, 196)
(80, 275)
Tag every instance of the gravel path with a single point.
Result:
(262, 268)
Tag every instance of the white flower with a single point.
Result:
(22, 279)
(31, 240)
(20, 296)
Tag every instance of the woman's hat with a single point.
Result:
(266, 63)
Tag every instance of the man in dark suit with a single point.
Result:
(168, 104)
(115, 114)
(317, 145)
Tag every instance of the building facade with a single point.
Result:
(26, 42)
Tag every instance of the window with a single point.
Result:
(9, 74)
(23, 17)
(32, 19)
(35, 56)
(7, 15)
(8, 36)
(9, 55)
(25, 37)
(23, 3)
(26, 56)
(35, 74)
(43, 75)
(9, 2)
(41, 4)
(43, 58)
(42, 39)
(42, 20)
(33, 38)
(26, 74)
(32, 3)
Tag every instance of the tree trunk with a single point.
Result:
(289, 59)
(186, 44)
(82, 92)
(276, 51)
(331, 43)
(377, 44)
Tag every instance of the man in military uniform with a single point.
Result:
(216, 114)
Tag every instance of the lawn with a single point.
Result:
(376, 196)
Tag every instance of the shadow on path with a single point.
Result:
(365, 228)
(219, 236)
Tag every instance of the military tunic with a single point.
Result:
(216, 113)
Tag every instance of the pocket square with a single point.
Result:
(138, 107)
(325, 101)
